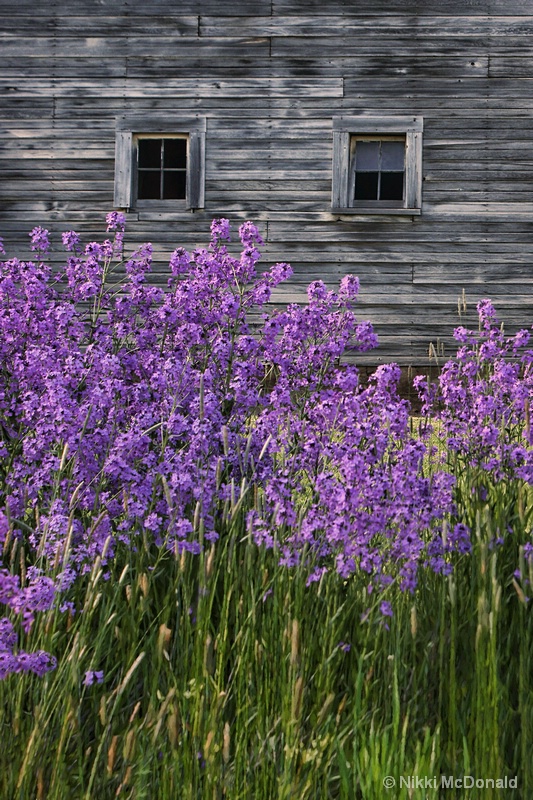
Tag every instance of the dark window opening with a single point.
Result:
(162, 169)
(378, 169)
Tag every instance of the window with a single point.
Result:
(156, 167)
(377, 165)
(161, 168)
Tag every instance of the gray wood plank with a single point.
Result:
(269, 77)
(54, 22)
(182, 88)
(410, 7)
(359, 25)
(105, 8)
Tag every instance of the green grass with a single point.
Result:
(224, 678)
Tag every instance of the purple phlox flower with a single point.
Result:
(365, 336)
(180, 261)
(386, 609)
(344, 646)
(8, 637)
(66, 579)
(39, 240)
(4, 528)
(9, 588)
(94, 249)
(153, 522)
(489, 435)
(118, 244)
(115, 220)
(489, 350)
(316, 575)
(459, 539)
(249, 234)
(279, 273)
(290, 558)
(96, 676)
(261, 293)
(140, 262)
(229, 306)
(39, 595)
(349, 287)
(249, 257)
(426, 391)
(347, 379)
(386, 377)
(317, 290)
(220, 229)
(463, 335)
(39, 662)
(486, 313)
(521, 339)
(71, 241)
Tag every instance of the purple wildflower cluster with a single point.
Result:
(482, 399)
(39, 240)
(348, 485)
(10, 662)
(143, 418)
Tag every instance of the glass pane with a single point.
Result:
(149, 185)
(150, 153)
(392, 156)
(174, 184)
(366, 186)
(175, 153)
(366, 156)
(391, 186)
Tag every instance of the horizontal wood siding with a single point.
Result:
(269, 76)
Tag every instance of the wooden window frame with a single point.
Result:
(129, 130)
(347, 128)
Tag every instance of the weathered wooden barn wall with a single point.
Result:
(269, 75)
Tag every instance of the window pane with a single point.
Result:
(175, 153)
(149, 185)
(392, 156)
(174, 184)
(366, 186)
(150, 153)
(366, 156)
(391, 186)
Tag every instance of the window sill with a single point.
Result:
(160, 205)
(353, 211)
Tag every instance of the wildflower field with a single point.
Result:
(230, 568)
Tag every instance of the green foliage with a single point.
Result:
(226, 676)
